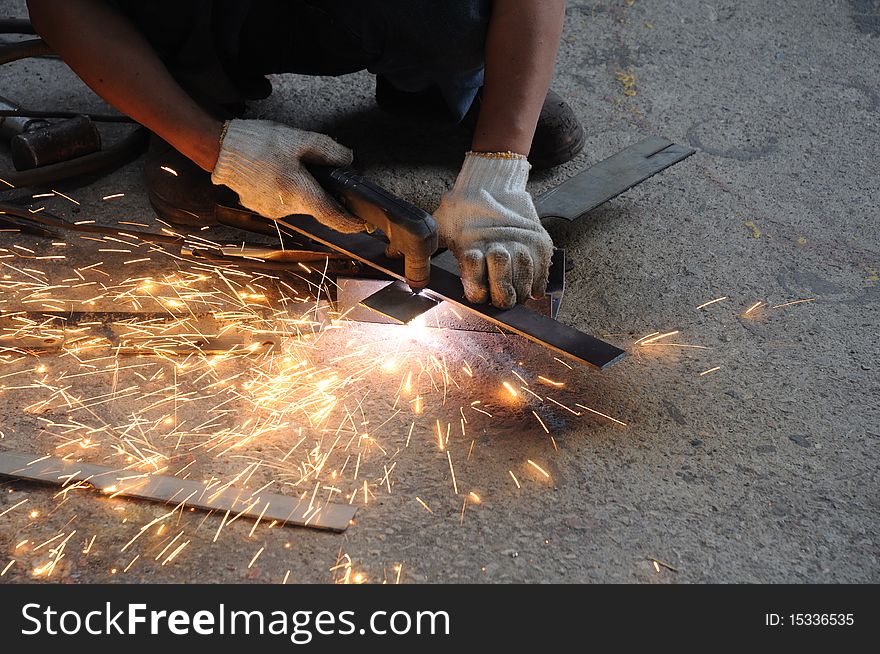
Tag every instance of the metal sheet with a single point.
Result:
(542, 330)
(398, 302)
(610, 177)
(549, 304)
(171, 490)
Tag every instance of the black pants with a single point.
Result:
(219, 50)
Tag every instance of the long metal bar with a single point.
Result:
(447, 286)
(171, 490)
(610, 177)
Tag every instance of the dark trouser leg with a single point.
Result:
(297, 36)
(430, 65)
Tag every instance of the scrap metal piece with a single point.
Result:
(398, 302)
(539, 329)
(171, 490)
(352, 293)
(610, 177)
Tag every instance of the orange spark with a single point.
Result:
(717, 299)
(538, 468)
(654, 339)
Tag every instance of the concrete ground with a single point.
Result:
(764, 470)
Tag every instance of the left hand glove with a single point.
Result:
(263, 162)
(490, 223)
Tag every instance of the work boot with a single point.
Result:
(180, 191)
(559, 136)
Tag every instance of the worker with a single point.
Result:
(185, 69)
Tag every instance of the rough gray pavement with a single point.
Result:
(765, 470)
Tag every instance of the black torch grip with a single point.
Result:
(410, 231)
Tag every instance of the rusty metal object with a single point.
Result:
(62, 141)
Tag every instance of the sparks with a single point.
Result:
(34, 514)
(599, 413)
(440, 442)
(538, 468)
(66, 197)
(654, 339)
(710, 302)
(256, 556)
(452, 472)
(788, 304)
(540, 422)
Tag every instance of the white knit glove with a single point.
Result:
(262, 161)
(489, 221)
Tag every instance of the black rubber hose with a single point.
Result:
(24, 49)
(12, 224)
(98, 118)
(16, 26)
(51, 220)
(121, 152)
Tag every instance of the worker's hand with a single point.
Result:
(262, 161)
(489, 221)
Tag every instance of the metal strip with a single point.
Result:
(171, 490)
(549, 305)
(445, 285)
(610, 177)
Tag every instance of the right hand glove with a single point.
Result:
(489, 222)
(262, 161)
